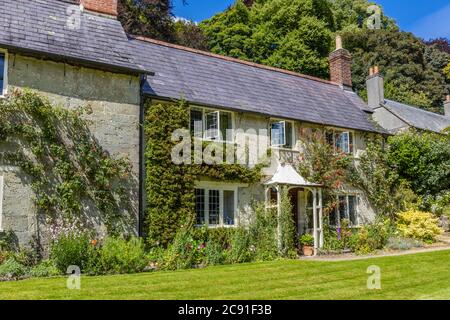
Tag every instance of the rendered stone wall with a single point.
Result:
(114, 121)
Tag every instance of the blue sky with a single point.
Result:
(425, 18)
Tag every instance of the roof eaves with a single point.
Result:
(76, 60)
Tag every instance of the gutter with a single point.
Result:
(143, 80)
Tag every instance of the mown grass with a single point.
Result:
(418, 276)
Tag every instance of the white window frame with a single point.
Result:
(221, 187)
(4, 89)
(1, 202)
(347, 213)
(205, 132)
(336, 132)
(275, 120)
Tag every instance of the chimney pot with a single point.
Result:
(108, 7)
(338, 42)
(447, 106)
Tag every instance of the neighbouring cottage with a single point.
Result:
(78, 57)
(398, 117)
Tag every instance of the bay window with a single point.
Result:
(210, 124)
(281, 134)
(215, 206)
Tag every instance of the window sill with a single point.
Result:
(216, 226)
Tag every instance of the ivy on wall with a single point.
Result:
(70, 172)
(170, 187)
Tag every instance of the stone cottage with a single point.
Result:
(76, 52)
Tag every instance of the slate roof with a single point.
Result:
(213, 80)
(40, 26)
(418, 118)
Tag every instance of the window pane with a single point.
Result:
(197, 123)
(225, 124)
(342, 142)
(352, 209)
(333, 221)
(277, 134)
(329, 136)
(200, 206)
(228, 207)
(342, 208)
(2, 71)
(350, 142)
(212, 125)
(289, 142)
(214, 207)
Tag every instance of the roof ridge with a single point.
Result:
(230, 59)
(419, 109)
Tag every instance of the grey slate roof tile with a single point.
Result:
(215, 81)
(418, 118)
(40, 25)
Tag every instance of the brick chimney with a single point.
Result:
(447, 106)
(108, 7)
(375, 88)
(340, 65)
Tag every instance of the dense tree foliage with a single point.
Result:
(297, 35)
(423, 160)
(413, 71)
(154, 19)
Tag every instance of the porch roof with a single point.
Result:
(287, 175)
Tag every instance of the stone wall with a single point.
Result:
(114, 122)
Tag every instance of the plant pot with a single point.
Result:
(308, 251)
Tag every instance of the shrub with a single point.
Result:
(8, 241)
(241, 249)
(371, 237)
(117, 255)
(400, 243)
(306, 240)
(183, 253)
(45, 269)
(214, 253)
(12, 269)
(72, 249)
(263, 233)
(419, 225)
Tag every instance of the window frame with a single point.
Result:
(2, 183)
(205, 111)
(211, 186)
(292, 135)
(347, 213)
(4, 89)
(335, 132)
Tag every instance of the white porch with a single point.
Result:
(308, 197)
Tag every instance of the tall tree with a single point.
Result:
(154, 19)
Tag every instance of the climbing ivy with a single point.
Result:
(170, 187)
(70, 173)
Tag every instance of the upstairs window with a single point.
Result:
(281, 135)
(341, 140)
(3, 73)
(211, 124)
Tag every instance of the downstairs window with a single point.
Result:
(215, 207)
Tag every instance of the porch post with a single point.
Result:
(320, 218)
(278, 188)
(316, 239)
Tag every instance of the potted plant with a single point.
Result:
(307, 245)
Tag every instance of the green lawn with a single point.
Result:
(418, 276)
